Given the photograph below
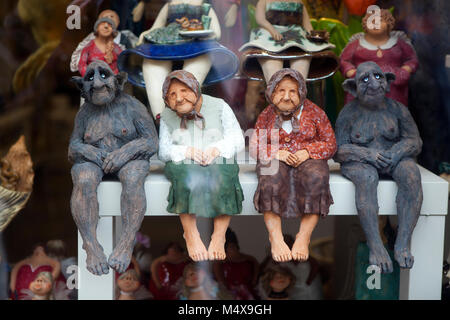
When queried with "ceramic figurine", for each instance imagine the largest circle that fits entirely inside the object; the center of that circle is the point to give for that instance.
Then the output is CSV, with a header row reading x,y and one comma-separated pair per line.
x,y
41,287
391,50
200,137
276,283
238,272
129,287
285,35
197,284
125,39
166,270
16,182
376,137
113,135
292,142
25,271
102,47
184,31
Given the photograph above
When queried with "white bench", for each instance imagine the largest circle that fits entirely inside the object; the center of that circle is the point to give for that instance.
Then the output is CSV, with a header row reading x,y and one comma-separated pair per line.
x,y
423,281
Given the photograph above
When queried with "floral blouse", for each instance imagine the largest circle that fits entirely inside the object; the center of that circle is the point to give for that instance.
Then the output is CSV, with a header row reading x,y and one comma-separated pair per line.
x,y
315,134
91,52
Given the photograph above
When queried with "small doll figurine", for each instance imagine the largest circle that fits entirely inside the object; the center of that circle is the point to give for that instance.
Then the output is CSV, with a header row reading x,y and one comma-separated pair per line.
x,y
391,50
284,34
25,271
292,142
200,137
166,270
197,284
102,47
129,287
125,39
164,44
113,135
239,271
41,287
376,137
276,283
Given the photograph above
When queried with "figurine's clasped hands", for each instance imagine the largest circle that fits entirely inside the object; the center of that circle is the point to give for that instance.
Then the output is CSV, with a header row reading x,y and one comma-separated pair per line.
x,y
115,161
209,155
194,154
286,157
378,159
302,156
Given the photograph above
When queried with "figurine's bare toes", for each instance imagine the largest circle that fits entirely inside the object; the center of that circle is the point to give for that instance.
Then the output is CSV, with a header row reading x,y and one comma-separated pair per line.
x,y
280,250
300,250
196,249
404,257
120,259
216,250
96,263
379,256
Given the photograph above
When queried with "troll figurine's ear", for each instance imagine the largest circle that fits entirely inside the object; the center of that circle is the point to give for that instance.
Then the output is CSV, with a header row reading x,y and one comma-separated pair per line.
x,y
349,85
78,82
122,78
390,77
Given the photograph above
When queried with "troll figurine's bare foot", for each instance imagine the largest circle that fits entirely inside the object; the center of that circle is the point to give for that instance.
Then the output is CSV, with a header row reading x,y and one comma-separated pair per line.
x,y
195,247
280,250
120,258
300,249
216,250
379,256
403,256
96,261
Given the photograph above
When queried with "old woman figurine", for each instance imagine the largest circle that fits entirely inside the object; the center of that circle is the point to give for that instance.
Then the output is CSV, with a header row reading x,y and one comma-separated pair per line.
x,y
199,137
292,142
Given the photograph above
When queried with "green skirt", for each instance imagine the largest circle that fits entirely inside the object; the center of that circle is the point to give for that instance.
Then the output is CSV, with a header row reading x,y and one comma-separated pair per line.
x,y
207,191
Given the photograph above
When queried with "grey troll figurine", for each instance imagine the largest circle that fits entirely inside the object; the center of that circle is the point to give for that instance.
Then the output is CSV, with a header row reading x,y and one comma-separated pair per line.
x,y
113,135
377,136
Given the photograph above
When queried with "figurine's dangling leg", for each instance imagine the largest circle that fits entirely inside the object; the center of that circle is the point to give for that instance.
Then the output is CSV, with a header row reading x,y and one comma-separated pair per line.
x,y
409,203
155,72
199,67
216,250
84,205
280,250
269,67
196,249
300,249
302,66
132,206
365,178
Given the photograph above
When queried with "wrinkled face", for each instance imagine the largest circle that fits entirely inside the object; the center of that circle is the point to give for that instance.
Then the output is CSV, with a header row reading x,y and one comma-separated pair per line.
x,y
194,278
41,285
372,30
371,85
110,14
180,97
128,283
99,85
105,30
279,282
286,96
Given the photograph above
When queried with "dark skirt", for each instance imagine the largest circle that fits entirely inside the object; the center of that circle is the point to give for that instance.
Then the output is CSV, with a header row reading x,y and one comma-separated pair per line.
x,y
224,62
207,191
291,192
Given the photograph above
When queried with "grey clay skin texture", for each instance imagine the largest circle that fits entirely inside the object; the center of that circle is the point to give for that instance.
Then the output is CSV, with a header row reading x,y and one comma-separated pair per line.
x,y
113,135
377,136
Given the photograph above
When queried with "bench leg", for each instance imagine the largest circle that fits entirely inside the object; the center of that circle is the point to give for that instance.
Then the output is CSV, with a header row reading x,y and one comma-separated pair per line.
x,y
424,280
92,287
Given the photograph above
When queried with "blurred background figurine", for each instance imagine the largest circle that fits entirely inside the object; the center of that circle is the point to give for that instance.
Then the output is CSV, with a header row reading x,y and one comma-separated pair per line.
x,y
166,270
391,50
129,287
285,33
125,39
16,182
41,288
276,282
197,284
163,45
25,271
238,272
